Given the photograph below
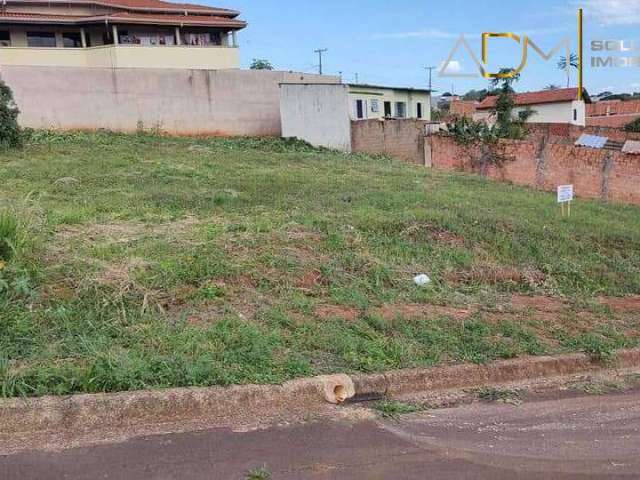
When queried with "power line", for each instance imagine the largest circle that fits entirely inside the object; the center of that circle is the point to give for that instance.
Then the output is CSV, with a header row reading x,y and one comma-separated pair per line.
x,y
320,51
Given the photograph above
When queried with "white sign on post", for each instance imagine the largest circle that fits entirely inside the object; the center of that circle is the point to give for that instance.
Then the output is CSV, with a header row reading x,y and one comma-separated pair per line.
x,y
565,197
565,193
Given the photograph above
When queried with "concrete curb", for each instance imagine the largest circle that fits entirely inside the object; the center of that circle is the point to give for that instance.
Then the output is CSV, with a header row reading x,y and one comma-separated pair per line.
x,y
218,406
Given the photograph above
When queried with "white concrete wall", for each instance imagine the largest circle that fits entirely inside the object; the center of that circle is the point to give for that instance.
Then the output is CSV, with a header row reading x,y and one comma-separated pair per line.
x,y
176,101
318,114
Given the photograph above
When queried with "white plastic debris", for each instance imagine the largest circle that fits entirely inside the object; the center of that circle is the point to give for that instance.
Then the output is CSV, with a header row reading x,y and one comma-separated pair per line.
x,y
422,280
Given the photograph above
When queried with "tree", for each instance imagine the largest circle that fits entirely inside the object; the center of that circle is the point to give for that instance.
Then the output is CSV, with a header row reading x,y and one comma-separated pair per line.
x,y
261,64
482,139
477,95
552,86
10,135
567,64
505,83
633,126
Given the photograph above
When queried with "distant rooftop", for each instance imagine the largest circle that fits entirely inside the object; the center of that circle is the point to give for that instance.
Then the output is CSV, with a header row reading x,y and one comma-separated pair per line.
x,y
535,98
408,89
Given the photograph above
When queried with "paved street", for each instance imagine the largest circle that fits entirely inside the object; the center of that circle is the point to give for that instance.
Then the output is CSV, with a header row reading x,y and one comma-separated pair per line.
x,y
584,437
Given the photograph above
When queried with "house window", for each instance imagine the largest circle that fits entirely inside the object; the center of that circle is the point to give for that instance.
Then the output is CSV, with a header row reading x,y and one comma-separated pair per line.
x,y
575,115
401,109
5,38
419,110
387,109
359,109
41,39
71,40
375,105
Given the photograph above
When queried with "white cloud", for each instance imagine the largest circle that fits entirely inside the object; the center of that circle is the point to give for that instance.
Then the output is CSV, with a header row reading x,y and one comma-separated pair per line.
x,y
454,67
612,12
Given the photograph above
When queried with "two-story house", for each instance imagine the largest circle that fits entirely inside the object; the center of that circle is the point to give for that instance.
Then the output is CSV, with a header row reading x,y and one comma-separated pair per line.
x,y
118,33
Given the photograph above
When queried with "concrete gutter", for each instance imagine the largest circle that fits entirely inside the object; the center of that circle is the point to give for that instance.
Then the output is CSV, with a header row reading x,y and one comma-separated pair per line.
x,y
50,421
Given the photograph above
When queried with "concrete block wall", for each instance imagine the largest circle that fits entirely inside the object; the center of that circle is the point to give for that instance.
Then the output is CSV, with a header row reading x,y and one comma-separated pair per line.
x,y
402,139
175,101
318,114
601,174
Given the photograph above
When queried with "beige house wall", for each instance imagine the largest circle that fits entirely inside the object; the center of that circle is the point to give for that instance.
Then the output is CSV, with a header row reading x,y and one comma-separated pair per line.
x,y
124,56
410,97
176,101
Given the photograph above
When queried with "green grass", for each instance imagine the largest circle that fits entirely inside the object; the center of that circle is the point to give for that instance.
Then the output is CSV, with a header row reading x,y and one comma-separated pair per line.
x,y
150,262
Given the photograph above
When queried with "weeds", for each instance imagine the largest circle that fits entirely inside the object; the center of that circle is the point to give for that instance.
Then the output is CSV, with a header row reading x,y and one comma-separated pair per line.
x,y
152,262
490,394
259,474
10,235
393,409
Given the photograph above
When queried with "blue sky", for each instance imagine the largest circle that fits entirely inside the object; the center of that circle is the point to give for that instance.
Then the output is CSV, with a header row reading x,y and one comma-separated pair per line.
x,y
390,42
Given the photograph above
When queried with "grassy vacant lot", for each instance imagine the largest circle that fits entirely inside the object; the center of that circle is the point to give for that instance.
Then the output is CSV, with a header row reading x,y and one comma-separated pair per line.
x,y
143,262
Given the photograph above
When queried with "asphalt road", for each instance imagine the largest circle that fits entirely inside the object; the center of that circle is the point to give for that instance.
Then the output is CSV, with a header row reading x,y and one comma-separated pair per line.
x,y
584,437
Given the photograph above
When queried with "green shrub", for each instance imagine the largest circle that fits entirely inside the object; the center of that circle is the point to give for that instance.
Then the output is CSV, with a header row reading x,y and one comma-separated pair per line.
x,y
9,235
10,135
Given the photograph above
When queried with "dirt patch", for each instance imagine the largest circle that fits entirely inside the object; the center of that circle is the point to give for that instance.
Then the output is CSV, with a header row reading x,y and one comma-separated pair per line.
x,y
426,231
125,232
120,275
416,311
493,275
327,312
621,304
310,280
538,303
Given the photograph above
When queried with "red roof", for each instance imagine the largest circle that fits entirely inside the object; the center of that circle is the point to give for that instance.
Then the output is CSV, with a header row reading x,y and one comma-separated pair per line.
x,y
138,5
535,98
125,17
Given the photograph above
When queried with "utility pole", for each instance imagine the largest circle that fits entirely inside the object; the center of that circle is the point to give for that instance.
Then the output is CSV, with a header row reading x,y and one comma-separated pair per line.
x,y
431,69
357,78
320,51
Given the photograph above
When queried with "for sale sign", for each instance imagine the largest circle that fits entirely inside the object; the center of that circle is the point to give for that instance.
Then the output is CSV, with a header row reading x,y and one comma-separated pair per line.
x,y
565,193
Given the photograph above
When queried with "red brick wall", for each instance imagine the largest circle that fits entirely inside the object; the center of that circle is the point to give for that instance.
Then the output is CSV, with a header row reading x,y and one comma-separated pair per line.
x,y
463,108
402,139
614,121
614,107
594,173
614,114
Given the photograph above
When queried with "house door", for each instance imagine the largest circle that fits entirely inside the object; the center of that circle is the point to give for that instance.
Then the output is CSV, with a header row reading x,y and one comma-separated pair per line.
x,y
387,109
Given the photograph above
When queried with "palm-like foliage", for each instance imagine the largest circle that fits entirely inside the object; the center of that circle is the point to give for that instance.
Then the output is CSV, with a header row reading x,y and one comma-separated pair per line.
x,y
567,64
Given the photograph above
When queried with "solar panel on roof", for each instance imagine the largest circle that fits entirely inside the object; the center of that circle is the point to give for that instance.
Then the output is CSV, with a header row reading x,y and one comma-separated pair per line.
x,y
591,141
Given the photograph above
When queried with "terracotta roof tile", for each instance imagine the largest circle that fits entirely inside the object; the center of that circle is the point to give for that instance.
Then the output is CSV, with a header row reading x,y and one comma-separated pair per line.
x,y
535,98
141,5
125,17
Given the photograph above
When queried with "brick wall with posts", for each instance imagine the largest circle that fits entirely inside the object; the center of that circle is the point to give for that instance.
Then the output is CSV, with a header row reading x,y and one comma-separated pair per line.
x,y
402,139
601,174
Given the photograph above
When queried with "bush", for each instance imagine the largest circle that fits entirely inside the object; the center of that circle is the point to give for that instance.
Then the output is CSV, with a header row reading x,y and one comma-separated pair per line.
x,y
9,235
633,126
10,135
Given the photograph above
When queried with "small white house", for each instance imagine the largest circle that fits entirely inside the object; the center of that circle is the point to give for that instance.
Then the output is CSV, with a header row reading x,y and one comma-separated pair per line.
x,y
321,114
372,101
550,106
